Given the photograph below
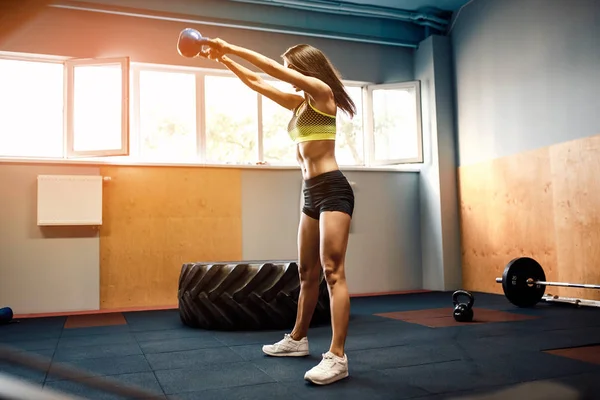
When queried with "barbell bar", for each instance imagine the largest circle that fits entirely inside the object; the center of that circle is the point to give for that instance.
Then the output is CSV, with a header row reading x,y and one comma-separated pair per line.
x,y
524,282
564,284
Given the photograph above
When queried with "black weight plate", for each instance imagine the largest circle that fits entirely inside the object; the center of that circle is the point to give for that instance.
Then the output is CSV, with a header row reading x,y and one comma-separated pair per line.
x,y
514,282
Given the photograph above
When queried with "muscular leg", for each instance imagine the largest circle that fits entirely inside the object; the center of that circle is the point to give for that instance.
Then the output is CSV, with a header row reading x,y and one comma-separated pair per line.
x,y
335,229
295,344
308,263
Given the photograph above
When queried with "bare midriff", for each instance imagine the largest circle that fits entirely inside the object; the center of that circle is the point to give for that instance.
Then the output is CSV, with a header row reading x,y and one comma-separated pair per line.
x,y
316,157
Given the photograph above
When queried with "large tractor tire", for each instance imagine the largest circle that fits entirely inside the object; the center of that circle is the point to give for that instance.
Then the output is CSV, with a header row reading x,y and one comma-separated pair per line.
x,y
250,295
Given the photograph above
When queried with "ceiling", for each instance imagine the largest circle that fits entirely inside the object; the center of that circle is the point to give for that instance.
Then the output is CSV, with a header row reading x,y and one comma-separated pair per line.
x,y
428,14
407,10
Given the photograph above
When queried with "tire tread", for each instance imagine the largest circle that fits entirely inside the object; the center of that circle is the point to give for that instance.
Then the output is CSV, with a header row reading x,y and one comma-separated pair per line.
x,y
250,295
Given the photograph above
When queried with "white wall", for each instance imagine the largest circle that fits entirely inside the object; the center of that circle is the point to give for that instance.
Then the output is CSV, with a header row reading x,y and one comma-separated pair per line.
x,y
270,214
384,249
50,269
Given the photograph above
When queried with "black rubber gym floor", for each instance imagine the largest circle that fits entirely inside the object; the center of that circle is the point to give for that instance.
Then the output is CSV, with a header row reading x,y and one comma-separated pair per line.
x,y
393,354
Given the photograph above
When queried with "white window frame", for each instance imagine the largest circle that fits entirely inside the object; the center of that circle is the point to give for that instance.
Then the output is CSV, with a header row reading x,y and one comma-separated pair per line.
x,y
130,129
69,81
259,129
370,125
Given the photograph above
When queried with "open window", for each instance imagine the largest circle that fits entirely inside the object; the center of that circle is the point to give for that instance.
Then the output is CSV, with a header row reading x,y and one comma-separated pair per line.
x,y
393,119
97,112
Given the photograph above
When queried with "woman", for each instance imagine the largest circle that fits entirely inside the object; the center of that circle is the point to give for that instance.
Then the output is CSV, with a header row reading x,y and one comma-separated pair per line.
x,y
328,198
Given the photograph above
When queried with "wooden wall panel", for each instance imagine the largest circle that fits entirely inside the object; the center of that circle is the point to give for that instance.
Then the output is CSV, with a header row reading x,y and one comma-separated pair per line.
x,y
576,182
156,219
501,204
542,204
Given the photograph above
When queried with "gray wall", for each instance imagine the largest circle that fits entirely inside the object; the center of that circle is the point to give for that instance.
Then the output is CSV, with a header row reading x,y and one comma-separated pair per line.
x,y
527,75
278,18
384,248
49,269
440,225
83,34
270,214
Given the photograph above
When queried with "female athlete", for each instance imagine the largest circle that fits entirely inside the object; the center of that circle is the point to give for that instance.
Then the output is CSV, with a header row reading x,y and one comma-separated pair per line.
x,y
328,197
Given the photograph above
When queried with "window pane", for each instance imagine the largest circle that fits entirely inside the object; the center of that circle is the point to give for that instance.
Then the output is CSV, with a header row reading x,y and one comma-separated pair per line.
x,y
98,101
231,121
278,148
167,121
395,124
349,142
31,109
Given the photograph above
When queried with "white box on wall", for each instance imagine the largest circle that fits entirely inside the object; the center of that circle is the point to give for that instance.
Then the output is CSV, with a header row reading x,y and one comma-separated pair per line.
x,y
69,200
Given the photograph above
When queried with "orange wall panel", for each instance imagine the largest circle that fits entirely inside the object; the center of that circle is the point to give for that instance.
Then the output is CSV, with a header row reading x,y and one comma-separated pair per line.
x,y
156,219
502,204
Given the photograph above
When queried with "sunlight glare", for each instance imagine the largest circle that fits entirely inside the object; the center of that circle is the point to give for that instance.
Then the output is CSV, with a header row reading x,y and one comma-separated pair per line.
x,y
31,109
395,119
167,115
231,120
98,98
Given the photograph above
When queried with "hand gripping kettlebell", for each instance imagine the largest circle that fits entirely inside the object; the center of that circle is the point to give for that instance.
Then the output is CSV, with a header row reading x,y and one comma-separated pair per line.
x,y
463,312
190,43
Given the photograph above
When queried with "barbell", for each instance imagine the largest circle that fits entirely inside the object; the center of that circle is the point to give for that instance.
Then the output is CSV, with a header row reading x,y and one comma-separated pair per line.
x,y
524,282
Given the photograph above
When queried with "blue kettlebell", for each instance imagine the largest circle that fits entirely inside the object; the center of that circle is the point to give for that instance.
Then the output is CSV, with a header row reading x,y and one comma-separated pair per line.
x,y
6,315
190,43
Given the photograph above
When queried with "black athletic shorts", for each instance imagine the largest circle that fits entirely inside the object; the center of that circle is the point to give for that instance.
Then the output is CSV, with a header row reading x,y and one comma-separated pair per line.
x,y
329,191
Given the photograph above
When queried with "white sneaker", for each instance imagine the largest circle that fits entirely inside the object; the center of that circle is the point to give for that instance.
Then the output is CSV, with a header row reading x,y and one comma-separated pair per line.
x,y
287,347
331,369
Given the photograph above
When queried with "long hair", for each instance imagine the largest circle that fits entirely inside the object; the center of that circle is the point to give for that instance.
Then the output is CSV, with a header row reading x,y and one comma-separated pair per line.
x,y
311,61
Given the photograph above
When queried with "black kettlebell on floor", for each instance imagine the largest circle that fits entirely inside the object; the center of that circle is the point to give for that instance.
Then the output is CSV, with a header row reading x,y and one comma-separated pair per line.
x,y
463,312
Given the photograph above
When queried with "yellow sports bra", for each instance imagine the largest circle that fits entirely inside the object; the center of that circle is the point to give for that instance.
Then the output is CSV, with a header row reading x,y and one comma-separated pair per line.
x,y
308,123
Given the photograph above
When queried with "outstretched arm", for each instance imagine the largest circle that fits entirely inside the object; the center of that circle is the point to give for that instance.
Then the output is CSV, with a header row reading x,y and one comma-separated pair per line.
x,y
258,84
313,86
